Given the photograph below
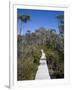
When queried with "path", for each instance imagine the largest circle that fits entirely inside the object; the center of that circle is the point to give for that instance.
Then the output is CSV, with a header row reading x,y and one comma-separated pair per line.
x,y
43,72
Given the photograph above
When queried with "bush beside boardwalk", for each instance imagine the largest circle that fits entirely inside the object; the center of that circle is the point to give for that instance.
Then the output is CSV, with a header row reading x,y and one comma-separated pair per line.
x,y
27,66
29,54
55,64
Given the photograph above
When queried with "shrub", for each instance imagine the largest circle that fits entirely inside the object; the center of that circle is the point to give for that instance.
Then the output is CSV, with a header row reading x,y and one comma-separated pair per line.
x,y
55,64
26,70
36,56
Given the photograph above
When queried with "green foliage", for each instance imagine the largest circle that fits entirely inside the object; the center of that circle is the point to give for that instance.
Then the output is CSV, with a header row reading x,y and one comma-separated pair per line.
x,y
28,63
36,56
24,19
55,63
61,24
26,70
29,53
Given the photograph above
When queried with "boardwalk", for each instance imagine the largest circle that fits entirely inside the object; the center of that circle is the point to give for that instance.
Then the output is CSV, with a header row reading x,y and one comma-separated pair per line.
x,y
42,72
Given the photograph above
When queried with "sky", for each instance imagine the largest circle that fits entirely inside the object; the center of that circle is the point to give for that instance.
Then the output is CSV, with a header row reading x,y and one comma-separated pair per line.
x,y
39,18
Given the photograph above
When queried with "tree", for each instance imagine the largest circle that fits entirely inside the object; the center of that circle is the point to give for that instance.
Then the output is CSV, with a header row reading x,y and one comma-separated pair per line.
x,y
60,39
24,18
28,37
61,24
